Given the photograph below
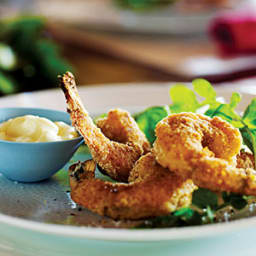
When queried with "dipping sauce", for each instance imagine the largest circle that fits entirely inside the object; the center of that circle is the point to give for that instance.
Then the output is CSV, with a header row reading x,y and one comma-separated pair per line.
x,y
31,128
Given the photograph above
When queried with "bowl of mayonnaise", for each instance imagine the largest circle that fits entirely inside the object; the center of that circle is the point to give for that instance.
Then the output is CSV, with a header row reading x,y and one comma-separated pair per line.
x,y
35,143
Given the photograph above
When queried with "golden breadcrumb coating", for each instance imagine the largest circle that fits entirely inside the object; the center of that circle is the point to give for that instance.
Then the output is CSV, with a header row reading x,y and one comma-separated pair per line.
x,y
182,139
153,191
245,160
203,149
115,158
190,150
119,126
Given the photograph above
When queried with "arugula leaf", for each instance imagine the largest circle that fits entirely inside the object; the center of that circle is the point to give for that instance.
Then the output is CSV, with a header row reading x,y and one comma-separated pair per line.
x,y
205,201
234,100
210,215
249,138
189,216
249,116
226,110
237,201
148,119
183,99
186,213
203,198
160,222
204,89
179,218
246,124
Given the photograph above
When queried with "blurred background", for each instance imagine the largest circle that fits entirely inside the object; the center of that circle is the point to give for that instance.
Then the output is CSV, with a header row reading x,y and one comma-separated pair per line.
x,y
113,41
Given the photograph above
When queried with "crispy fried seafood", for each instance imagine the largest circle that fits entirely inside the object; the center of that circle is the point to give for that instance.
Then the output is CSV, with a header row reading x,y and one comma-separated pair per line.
x,y
152,191
117,154
190,150
204,149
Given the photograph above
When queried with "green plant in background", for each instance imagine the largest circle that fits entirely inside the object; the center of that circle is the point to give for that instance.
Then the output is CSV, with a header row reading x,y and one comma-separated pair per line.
x,y
142,5
29,58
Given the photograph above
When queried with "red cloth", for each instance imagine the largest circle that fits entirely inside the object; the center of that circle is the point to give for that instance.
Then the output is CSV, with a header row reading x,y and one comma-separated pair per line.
x,y
235,33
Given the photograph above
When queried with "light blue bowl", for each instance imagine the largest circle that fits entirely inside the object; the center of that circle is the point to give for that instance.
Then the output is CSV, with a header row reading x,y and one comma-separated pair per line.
x,y
31,162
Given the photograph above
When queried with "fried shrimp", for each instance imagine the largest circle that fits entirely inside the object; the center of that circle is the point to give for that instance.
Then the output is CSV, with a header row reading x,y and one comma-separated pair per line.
x,y
152,191
183,139
119,126
245,160
116,158
204,149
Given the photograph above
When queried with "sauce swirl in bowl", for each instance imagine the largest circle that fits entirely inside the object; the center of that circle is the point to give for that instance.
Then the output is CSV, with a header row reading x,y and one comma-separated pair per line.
x,y
29,161
31,128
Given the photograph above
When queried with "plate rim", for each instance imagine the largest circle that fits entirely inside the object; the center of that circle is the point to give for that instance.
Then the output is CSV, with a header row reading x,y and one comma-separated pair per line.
x,y
131,235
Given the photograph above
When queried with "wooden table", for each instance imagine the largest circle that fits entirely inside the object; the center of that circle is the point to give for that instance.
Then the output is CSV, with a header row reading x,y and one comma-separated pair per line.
x,y
100,57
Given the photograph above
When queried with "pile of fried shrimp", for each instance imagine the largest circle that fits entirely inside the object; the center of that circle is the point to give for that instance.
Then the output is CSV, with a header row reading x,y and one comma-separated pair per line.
x,y
190,151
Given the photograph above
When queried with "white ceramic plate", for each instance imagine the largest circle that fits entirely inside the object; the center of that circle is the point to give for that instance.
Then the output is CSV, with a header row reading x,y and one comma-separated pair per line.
x,y
27,210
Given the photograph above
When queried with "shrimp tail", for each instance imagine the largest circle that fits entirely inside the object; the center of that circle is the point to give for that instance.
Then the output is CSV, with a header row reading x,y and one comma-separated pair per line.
x,y
115,158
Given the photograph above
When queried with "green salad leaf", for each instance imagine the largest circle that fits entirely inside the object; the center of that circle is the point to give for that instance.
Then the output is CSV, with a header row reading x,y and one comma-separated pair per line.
x,y
237,201
249,138
183,99
179,218
148,119
202,98
203,88
205,205
203,198
249,117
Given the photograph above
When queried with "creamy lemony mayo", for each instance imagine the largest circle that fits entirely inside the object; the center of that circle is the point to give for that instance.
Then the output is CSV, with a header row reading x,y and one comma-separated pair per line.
x,y
31,128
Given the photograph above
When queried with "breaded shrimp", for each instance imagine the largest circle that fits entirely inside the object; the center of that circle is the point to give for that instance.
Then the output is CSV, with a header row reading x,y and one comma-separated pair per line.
x,y
218,175
152,191
245,160
115,158
183,139
203,149
119,126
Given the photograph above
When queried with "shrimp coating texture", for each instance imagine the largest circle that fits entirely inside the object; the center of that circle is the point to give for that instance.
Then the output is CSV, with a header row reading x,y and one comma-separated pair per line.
x,y
203,149
245,160
119,126
118,156
153,191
